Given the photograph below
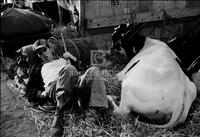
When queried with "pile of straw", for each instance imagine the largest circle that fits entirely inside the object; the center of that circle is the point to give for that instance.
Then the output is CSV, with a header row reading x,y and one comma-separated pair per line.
x,y
77,124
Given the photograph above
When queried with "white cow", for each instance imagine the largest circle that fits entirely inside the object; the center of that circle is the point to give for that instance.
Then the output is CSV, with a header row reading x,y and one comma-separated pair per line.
x,y
196,79
154,85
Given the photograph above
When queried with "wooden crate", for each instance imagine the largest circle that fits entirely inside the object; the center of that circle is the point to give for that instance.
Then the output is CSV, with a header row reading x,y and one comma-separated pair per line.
x,y
98,17
104,13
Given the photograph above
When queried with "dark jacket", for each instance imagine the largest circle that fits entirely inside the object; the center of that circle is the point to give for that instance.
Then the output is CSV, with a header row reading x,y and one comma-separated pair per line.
x,y
35,84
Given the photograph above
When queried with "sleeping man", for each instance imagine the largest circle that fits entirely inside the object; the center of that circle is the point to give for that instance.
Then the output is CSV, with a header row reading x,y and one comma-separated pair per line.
x,y
57,81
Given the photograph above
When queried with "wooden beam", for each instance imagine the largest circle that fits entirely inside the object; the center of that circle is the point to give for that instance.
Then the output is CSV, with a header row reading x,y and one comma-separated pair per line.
x,y
81,18
140,17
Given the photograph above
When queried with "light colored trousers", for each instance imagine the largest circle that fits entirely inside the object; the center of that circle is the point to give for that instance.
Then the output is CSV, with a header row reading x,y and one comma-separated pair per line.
x,y
89,87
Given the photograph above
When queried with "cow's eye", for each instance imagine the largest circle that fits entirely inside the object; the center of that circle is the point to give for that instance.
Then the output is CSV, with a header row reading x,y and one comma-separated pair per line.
x,y
26,59
134,50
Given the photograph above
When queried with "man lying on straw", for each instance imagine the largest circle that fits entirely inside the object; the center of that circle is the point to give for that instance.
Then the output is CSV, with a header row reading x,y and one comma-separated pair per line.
x,y
57,81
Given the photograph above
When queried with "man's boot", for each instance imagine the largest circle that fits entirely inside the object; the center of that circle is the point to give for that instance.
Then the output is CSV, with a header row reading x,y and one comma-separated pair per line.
x,y
103,116
57,125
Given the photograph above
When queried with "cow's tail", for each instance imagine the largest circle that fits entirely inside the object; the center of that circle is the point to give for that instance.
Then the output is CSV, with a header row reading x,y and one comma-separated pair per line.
x,y
111,103
118,111
177,112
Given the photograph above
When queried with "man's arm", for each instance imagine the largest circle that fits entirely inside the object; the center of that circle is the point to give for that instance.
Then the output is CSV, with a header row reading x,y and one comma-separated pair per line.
x,y
68,55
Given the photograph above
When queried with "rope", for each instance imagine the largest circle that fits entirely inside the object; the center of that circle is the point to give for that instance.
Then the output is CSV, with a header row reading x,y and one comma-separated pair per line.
x,y
138,30
162,26
193,63
164,23
75,46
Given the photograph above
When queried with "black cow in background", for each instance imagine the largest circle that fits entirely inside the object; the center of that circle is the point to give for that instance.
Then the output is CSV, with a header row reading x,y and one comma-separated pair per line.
x,y
186,48
126,37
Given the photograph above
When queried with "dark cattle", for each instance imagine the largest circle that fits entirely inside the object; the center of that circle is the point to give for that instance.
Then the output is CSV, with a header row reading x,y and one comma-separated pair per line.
x,y
50,8
20,27
186,48
6,6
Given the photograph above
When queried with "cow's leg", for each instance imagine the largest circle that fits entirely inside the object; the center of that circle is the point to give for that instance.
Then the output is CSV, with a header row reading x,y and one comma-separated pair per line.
x,y
119,111
196,79
111,103
189,96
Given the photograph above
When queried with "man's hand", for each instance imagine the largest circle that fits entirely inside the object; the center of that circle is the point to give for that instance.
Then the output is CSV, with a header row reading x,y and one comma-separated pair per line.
x,y
68,55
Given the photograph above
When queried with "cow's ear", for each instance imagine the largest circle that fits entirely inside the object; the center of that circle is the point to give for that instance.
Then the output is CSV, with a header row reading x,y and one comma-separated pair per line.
x,y
116,28
19,51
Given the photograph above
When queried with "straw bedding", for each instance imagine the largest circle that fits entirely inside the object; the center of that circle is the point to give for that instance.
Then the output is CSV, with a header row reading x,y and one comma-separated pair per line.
x,y
78,124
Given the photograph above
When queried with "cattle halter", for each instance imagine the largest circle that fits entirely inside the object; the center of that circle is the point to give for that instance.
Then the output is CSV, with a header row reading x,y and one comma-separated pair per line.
x,y
132,34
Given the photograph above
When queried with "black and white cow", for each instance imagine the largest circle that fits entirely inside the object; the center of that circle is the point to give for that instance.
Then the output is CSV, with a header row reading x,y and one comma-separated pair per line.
x,y
153,84
125,37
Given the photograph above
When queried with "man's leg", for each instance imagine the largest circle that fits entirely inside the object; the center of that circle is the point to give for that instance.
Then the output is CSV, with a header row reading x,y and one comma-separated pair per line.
x,y
64,86
93,80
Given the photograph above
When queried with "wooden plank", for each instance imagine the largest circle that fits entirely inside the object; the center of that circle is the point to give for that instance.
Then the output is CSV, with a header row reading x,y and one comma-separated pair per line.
x,y
103,8
145,6
92,8
192,3
82,18
140,17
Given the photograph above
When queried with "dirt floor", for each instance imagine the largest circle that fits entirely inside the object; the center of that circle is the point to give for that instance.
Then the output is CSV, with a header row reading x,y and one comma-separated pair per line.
x,y
14,119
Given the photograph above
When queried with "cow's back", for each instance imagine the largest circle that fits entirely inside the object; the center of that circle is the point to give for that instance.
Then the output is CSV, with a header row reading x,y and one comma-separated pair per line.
x,y
154,75
157,85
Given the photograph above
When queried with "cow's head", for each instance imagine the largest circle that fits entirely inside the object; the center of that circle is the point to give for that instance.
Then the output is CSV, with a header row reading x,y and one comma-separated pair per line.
x,y
117,36
127,40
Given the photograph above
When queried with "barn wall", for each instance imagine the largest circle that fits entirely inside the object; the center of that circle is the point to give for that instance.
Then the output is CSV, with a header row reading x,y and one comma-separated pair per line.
x,y
104,13
101,16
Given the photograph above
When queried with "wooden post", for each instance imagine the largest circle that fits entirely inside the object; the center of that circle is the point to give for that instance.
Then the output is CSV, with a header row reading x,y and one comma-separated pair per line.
x,y
60,24
60,15
82,26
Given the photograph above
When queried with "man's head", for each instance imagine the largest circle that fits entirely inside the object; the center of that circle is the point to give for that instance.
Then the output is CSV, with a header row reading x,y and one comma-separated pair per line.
x,y
42,50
